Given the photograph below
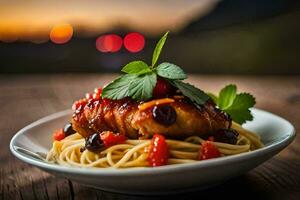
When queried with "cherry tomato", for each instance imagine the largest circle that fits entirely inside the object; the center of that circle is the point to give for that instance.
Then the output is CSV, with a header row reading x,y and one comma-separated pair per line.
x,y
208,151
59,135
162,88
159,151
109,138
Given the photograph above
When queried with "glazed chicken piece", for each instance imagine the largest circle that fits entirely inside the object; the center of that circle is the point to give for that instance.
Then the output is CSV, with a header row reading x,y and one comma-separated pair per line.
x,y
179,118
190,120
105,115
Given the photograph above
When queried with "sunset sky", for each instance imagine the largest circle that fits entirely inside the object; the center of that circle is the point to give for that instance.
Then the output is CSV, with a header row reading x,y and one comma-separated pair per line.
x,y
32,20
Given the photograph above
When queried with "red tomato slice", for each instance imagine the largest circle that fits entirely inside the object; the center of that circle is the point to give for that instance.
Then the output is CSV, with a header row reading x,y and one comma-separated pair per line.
x,y
159,151
109,138
59,135
208,151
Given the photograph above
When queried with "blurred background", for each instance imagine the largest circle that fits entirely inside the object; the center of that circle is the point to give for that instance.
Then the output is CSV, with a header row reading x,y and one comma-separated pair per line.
x,y
206,36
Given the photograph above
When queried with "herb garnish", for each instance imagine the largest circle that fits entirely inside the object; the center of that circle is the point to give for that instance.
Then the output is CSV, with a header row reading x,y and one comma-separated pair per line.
x,y
140,79
236,105
194,94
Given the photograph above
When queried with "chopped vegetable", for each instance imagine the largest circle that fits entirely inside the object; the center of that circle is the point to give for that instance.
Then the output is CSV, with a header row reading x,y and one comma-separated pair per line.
x,y
159,151
208,151
109,138
58,135
155,102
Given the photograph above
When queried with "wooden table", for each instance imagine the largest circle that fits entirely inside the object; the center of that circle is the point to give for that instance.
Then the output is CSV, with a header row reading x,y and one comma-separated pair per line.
x,y
26,98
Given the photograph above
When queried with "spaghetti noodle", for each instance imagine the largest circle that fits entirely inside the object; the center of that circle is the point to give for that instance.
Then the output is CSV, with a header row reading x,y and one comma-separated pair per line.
x,y
134,153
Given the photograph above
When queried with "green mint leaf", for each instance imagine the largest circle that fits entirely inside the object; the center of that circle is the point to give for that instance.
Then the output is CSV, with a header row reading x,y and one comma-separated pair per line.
x,y
158,48
170,71
239,110
227,96
118,88
240,117
236,105
142,87
136,67
194,94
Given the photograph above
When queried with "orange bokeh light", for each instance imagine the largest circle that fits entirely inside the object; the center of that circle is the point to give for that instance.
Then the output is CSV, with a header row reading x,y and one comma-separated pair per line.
x,y
61,33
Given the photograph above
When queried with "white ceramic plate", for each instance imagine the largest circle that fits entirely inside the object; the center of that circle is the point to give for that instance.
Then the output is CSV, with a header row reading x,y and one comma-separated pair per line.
x,y
276,133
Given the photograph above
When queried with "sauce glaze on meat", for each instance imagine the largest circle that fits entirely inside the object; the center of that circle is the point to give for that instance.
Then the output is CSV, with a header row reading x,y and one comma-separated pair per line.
x,y
123,116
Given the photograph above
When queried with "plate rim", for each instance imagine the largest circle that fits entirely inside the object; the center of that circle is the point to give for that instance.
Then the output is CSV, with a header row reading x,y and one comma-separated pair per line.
x,y
281,144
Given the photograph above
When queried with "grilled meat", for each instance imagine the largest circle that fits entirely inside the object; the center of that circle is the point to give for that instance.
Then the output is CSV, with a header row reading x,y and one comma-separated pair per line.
x,y
125,117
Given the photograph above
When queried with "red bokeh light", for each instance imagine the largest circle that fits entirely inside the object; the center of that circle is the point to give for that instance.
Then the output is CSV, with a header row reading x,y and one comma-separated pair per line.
x,y
109,43
134,42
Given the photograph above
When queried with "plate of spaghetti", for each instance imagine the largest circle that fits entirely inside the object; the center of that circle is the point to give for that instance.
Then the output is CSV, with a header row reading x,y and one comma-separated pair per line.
x,y
149,131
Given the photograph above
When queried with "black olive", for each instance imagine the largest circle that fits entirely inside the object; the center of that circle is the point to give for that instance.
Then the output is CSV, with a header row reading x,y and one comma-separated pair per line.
x,y
68,130
229,136
94,143
164,114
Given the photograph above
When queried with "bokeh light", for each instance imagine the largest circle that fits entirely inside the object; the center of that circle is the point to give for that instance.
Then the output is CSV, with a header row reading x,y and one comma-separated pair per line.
x,y
134,42
61,34
109,43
